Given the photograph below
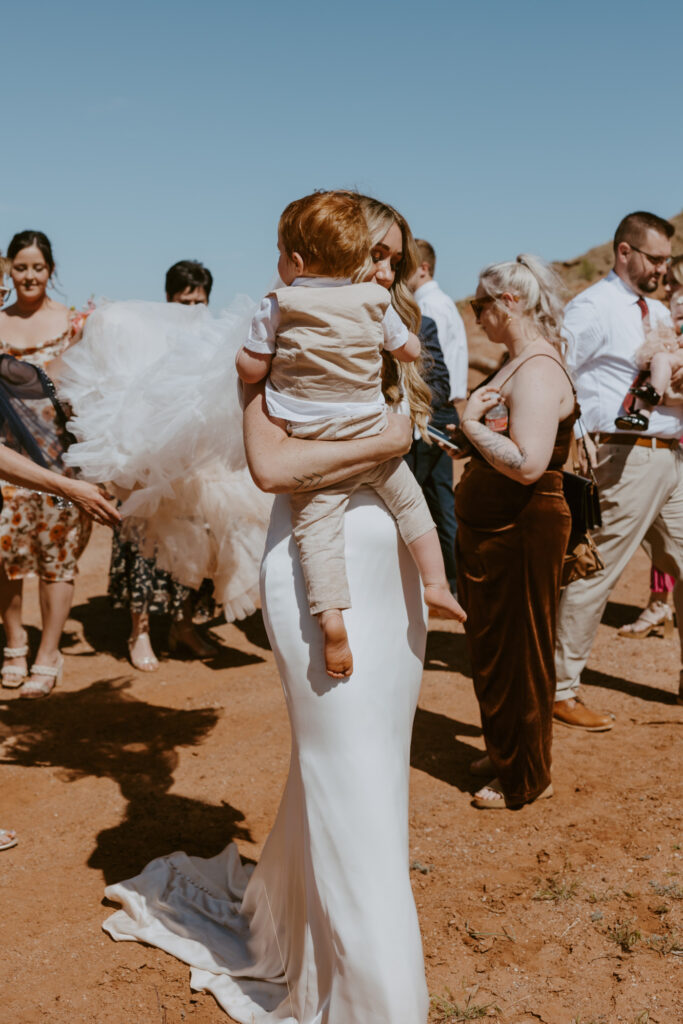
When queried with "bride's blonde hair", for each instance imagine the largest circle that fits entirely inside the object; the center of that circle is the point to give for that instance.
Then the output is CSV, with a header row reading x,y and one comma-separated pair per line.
x,y
399,379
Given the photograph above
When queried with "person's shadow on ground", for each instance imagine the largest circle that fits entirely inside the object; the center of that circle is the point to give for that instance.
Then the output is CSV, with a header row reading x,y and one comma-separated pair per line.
x,y
437,749
447,651
105,732
615,616
254,630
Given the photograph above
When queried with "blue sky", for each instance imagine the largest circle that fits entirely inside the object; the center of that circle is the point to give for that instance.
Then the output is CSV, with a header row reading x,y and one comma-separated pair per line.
x,y
137,134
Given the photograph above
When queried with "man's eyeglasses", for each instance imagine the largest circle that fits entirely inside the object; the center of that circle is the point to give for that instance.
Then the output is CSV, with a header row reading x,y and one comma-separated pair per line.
x,y
656,261
478,304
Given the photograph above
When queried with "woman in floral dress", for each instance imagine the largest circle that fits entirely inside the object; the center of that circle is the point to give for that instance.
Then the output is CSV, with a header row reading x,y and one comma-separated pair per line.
x,y
39,536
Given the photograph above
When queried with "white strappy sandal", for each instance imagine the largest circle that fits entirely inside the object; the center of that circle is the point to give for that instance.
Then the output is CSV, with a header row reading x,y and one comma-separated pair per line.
x,y
49,677
143,662
8,838
12,676
657,614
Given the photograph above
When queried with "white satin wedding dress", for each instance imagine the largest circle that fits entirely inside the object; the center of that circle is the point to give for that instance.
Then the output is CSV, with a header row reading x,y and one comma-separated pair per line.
x,y
324,931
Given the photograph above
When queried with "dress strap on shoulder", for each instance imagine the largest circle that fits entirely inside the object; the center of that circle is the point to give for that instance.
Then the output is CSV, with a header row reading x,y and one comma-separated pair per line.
x,y
542,355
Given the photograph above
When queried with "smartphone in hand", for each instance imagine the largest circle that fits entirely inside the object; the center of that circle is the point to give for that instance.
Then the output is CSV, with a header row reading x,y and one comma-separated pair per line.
x,y
442,437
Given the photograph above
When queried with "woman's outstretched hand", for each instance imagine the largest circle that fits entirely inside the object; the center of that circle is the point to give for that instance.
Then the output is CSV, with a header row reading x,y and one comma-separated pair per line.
x,y
92,500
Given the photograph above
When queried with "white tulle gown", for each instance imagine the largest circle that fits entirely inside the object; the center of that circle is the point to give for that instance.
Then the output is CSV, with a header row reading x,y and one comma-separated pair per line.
x,y
156,411
325,930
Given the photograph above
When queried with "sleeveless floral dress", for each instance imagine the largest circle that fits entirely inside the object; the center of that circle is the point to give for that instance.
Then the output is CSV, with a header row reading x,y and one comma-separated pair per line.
x,y
37,536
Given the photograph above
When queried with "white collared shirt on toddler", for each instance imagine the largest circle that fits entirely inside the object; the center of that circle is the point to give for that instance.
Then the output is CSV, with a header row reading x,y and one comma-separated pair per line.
x,y
261,338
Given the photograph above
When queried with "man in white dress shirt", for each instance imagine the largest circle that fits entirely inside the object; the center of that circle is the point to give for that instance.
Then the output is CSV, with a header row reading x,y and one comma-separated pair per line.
x,y
441,308
639,474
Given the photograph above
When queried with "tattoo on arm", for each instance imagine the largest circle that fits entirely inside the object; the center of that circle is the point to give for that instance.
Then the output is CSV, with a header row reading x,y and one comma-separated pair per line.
x,y
310,482
497,449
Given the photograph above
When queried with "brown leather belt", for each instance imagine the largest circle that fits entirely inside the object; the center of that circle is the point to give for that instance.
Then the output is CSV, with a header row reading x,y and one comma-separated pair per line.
x,y
644,442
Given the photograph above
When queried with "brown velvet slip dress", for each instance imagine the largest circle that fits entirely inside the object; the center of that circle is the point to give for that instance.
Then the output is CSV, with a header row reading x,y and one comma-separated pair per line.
x,y
510,548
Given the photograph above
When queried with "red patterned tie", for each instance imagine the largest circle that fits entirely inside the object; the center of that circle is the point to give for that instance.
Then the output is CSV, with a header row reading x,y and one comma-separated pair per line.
x,y
630,401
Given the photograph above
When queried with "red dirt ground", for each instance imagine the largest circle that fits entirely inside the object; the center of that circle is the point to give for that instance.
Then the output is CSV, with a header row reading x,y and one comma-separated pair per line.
x,y
569,912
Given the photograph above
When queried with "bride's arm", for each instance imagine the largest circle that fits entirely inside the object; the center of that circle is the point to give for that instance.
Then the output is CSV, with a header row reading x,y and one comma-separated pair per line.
x,y
279,463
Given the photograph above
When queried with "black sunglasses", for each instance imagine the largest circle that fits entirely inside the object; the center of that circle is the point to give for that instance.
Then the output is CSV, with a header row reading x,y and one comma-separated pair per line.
x,y
478,304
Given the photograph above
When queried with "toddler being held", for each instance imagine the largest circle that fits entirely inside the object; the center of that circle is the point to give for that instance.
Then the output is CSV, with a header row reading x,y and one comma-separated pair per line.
x,y
319,340
660,356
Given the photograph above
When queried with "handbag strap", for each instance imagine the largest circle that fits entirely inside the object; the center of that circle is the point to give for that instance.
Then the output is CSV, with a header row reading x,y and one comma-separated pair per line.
x,y
591,473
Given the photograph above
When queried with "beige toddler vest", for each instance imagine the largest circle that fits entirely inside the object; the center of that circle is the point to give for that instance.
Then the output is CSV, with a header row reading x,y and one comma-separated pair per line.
x,y
329,342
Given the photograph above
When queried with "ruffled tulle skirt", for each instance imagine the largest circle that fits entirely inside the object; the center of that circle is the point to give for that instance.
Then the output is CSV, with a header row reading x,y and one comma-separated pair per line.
x,y
156,412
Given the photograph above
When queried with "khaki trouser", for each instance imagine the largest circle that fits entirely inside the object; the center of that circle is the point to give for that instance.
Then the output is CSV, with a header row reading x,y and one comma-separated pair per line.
x,y
318,516
318,527
641,498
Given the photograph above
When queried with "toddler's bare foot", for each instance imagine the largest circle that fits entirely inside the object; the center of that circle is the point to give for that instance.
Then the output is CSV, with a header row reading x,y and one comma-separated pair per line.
x,y
338,657
438,596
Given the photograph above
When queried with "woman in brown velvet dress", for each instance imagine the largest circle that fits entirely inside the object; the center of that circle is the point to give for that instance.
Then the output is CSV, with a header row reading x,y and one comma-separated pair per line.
x,y
513,528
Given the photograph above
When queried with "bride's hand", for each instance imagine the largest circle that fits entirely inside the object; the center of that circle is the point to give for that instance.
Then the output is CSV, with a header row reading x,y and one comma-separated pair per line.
x,y
92,500
398,435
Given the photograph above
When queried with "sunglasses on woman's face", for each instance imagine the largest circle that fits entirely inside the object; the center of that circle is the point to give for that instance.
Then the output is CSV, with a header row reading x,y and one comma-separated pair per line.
x,y
478,304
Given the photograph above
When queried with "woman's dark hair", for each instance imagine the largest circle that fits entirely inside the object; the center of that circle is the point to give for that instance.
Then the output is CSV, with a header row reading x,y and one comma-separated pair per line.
x,y
24,239
188,274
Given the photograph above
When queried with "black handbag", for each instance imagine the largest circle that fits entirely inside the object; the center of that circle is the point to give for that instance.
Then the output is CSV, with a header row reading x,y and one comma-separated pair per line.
x,y
581,494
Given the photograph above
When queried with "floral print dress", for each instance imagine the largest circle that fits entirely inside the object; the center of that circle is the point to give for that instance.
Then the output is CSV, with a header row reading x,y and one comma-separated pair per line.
x,y
39,537
137,583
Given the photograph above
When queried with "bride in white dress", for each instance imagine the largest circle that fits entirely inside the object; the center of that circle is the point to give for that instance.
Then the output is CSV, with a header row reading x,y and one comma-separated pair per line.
x,y
324,931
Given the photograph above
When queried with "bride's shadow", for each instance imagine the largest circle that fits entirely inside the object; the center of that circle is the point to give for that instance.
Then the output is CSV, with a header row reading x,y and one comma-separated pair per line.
x,y
104,732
